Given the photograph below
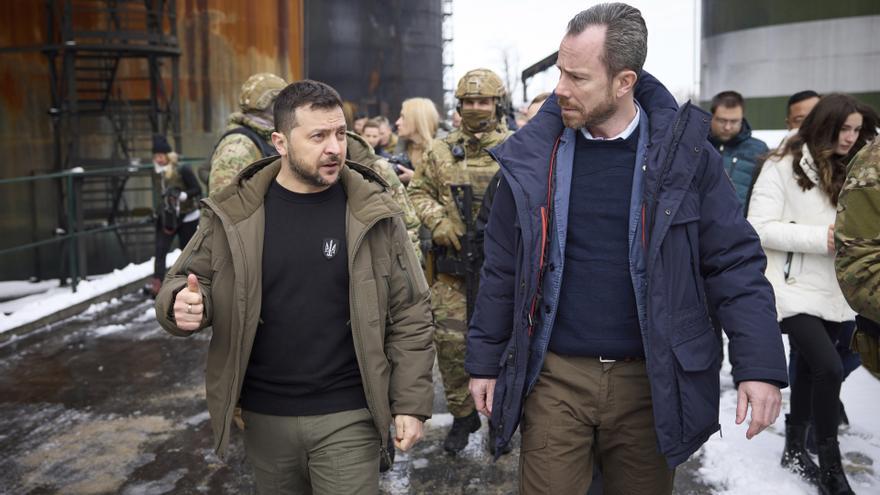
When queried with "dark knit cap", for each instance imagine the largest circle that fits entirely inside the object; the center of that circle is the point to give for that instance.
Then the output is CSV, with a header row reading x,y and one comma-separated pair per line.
x,y
160,144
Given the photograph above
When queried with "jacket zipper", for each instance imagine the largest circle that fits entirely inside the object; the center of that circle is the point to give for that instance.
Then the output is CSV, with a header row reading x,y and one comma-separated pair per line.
x,y
409,284
667,164
354,327
195,249
241,333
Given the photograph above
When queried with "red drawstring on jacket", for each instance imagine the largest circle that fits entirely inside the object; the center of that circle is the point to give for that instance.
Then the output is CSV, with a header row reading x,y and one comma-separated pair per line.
x,y
545,236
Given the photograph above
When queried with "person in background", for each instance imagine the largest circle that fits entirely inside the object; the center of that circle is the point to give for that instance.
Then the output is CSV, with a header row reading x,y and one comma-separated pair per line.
x,y
416,128
370,133
731,135
793,210
247,135
462,157
361,152
359,120
535,105
799,106
387,138
857,239
178,214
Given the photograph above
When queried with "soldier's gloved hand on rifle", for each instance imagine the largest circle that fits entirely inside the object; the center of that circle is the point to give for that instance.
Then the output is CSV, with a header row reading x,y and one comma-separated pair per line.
x,y
447,232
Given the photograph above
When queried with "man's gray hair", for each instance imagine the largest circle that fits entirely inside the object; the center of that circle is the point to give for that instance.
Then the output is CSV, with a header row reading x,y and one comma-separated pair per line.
x,y
626,35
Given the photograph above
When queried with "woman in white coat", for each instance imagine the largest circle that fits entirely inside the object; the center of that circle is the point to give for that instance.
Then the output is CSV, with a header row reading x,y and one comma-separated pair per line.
x,y
793,207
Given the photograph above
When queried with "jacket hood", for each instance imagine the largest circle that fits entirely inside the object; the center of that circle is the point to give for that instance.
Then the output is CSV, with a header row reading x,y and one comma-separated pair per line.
x,y
744,134
365,191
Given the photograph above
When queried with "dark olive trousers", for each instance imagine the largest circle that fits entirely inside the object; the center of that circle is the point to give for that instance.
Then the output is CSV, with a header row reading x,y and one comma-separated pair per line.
x,y
327,454
583,411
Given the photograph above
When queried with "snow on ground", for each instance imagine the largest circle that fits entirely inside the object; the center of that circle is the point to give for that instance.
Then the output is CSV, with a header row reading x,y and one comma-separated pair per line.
x,y
15,289
737,466
35,306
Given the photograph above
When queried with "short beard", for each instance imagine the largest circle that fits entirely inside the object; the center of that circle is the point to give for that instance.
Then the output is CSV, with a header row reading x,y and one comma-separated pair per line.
x,y
597,116
310,177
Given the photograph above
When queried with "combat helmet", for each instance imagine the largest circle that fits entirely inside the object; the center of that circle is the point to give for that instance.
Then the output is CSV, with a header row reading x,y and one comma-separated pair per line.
x,y
480,83
259,92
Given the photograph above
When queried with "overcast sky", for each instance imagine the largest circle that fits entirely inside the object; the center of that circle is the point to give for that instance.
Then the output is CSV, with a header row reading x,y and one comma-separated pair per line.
x,y
529,30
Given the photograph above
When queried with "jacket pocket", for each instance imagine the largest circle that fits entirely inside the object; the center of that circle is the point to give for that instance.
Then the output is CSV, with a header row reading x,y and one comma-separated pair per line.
x,y
697,353
681,255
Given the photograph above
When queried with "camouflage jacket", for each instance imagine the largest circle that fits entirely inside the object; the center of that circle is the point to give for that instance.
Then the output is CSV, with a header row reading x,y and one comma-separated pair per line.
x,y
458,158
857,233
236,151
361,152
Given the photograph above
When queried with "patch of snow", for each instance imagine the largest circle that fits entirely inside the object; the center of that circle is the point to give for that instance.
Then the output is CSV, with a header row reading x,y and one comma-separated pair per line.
x,y
15,289
41,305
148,315
107,330
420,463
737,466
197,419
99,307
439,421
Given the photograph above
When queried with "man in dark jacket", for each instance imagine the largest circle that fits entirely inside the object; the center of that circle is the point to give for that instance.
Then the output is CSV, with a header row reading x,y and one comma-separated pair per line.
x,y
607,243
731,135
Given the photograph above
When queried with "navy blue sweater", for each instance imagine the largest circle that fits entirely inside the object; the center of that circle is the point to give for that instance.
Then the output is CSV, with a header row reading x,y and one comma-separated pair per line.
x,y
597,313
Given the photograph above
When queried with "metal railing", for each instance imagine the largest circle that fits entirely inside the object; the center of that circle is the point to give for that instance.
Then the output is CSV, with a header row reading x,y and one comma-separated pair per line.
x,y
72,226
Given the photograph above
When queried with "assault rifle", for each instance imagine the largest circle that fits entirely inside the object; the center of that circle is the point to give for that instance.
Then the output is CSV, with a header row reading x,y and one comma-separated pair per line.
x,y
470,257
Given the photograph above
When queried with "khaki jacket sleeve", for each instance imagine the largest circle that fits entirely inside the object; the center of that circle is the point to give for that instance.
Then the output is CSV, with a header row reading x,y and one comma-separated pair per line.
x,y
233,154
857,234
425,188
195,258
409,338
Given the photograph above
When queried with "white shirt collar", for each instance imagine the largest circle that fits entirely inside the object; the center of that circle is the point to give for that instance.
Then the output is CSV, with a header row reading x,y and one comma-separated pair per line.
x,y
634,123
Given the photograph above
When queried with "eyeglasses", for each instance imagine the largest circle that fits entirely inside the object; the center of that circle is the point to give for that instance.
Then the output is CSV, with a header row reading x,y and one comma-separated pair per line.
x,y
727,122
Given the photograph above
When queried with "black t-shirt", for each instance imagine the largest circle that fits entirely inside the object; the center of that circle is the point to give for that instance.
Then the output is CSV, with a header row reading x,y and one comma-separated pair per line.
x,y
303,362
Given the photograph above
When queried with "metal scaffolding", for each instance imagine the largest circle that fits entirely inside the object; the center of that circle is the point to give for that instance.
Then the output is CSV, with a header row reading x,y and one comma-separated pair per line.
x,y
114,79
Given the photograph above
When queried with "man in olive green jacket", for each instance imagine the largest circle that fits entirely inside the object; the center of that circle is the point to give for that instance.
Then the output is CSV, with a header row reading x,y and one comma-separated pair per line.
x,y
220,281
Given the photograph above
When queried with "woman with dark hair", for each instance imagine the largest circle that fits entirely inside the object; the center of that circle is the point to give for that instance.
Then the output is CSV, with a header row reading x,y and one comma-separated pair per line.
x,y
793,207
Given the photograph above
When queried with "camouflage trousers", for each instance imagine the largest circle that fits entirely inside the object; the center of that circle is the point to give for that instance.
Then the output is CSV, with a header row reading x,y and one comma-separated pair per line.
x,y
449,304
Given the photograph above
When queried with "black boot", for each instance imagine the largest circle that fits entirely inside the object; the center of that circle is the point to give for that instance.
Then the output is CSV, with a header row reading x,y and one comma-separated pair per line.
x,y
457,438
832,479
795,457
492,437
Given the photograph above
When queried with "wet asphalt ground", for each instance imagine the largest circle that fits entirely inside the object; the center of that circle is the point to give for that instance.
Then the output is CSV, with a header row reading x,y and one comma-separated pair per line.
x,y
107,403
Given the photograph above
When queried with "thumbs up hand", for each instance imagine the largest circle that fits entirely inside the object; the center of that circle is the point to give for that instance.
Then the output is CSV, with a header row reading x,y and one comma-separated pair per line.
x,y
188,307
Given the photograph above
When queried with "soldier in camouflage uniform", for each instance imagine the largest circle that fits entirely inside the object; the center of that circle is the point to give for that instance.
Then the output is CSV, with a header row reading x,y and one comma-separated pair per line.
x,y
459,158
857,236
361,152
236,151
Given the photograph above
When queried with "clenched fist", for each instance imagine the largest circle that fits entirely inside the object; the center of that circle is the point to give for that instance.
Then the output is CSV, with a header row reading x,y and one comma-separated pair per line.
x,y
188,307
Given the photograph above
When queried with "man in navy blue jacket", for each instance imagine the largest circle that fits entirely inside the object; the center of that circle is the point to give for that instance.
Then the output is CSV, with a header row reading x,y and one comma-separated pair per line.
x,y
608,241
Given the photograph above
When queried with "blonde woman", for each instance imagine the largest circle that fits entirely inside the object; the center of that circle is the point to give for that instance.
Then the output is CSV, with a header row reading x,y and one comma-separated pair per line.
x,y
178,213
416,128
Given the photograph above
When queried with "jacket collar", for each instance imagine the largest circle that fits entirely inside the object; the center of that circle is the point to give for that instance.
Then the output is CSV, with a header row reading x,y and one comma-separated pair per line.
x,y
744,134
363,188
524,157
808,165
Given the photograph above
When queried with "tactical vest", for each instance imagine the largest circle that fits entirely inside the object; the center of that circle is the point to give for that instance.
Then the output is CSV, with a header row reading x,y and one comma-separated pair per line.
x,y
471,161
